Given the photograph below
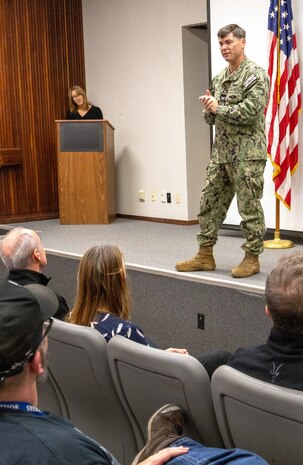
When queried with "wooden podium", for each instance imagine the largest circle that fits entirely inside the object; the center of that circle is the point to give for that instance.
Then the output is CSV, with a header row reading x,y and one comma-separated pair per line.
x,y
86,171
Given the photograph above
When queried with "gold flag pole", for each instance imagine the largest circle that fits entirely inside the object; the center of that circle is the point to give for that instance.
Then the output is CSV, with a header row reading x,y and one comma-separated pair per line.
x,y
277,242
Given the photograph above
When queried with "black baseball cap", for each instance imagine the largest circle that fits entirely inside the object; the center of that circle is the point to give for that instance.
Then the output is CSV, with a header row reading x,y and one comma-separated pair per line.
x,y
23,310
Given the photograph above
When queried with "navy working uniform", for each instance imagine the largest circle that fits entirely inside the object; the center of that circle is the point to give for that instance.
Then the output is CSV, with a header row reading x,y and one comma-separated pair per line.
x,y
238,155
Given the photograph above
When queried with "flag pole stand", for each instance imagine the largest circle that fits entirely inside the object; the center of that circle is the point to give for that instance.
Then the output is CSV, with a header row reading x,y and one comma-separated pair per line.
x,y
278,243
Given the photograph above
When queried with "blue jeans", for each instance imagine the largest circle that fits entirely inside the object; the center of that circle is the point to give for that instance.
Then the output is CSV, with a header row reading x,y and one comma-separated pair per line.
x,y
202,455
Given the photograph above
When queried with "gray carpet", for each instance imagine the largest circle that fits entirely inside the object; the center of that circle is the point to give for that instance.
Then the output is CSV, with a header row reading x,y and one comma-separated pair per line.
x,y
166,303
157,247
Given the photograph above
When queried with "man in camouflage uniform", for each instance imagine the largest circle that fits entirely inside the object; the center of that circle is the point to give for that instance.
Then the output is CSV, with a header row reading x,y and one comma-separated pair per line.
x,y
235,103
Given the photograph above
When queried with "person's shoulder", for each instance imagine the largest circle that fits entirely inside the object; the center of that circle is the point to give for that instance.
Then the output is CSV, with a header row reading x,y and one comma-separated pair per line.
x,y
49,439
135,333
134,327
94,112
95,109
252,67
254,74
109,321
70,115
126,327
248,351
131,324
220,75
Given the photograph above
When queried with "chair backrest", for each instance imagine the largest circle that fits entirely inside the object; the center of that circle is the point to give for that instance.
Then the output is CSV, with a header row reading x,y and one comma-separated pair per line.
x,y
80,387
258,416
50,397
147,378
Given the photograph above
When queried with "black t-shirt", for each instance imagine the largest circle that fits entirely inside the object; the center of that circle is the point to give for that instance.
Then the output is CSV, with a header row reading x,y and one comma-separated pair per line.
x,y
29,439
93,113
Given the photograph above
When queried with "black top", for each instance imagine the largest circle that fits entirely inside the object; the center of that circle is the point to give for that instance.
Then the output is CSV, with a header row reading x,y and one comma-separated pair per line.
x,y
28,439
93,113
279,361
24,277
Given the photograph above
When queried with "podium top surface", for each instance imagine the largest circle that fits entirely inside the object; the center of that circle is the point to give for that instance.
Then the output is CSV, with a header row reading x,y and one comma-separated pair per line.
x,y
84,121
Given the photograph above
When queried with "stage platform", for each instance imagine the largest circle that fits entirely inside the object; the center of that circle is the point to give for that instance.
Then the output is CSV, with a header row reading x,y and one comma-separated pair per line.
x,y
166,303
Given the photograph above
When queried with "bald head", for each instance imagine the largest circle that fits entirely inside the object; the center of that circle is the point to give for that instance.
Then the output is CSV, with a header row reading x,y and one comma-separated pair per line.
x,y
21,249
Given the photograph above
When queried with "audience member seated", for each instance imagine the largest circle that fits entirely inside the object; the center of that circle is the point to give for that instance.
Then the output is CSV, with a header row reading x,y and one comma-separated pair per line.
x,y
79,107
103,300
24,256
30,436
280,360
33,437
166,429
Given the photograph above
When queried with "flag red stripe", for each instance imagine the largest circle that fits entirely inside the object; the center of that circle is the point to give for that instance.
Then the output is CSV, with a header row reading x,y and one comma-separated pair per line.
x,y
285,98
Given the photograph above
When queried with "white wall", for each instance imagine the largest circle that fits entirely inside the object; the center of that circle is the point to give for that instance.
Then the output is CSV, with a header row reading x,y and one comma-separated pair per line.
x,y
134,72
253,18
197,134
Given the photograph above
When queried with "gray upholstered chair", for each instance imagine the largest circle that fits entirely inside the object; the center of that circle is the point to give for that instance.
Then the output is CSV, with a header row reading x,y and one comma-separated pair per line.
x,y
259,416
80,387
147,378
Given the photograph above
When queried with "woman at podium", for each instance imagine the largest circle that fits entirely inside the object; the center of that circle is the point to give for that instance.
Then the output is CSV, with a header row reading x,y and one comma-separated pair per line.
x,y
79,107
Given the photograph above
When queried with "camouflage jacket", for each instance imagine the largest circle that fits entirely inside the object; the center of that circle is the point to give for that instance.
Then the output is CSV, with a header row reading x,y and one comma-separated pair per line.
x,y
239,119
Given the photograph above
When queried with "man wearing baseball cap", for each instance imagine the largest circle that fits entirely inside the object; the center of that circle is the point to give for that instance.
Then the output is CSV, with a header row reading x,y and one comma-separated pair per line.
x,y
29,436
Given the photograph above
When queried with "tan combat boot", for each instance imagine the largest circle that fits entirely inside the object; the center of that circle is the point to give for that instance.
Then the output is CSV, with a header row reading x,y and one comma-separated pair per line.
x,y
249,266
203,261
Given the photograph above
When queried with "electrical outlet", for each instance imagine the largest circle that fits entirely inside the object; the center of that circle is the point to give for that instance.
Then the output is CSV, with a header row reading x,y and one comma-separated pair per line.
x,y
177,197
163,197
201,320
141,195
168,197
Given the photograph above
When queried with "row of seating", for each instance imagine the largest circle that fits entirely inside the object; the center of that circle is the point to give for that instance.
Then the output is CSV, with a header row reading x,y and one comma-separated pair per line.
x,y
110,390
258,416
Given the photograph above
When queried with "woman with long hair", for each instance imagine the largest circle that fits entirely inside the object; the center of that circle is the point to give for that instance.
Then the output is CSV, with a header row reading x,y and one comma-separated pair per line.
x,y
102,299
79,107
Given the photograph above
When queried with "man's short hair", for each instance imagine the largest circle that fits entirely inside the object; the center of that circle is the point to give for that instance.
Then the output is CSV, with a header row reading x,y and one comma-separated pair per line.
x,y
236,30
284,294
21,256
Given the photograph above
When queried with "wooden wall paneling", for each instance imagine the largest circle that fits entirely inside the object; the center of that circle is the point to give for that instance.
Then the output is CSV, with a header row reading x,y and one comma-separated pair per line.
x,y
75,27
10,176
41,55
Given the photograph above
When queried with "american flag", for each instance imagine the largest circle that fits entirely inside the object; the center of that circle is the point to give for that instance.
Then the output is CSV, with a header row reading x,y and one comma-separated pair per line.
x,y
285,97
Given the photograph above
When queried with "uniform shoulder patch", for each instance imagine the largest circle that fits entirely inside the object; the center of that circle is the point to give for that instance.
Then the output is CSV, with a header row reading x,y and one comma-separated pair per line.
x,y
250,81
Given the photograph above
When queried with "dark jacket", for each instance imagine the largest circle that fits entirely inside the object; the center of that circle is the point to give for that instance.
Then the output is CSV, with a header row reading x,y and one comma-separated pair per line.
x,y
31,439
24,277
279,361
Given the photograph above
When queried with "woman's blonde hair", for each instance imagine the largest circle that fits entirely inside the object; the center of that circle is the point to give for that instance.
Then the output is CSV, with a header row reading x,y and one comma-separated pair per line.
x,y
72,106
101,285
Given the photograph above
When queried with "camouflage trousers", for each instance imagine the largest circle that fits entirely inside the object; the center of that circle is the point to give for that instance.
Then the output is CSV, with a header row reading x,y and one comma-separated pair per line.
x,y
223,181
